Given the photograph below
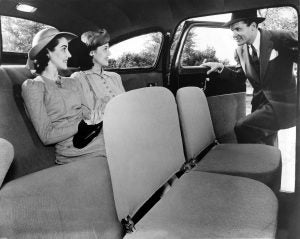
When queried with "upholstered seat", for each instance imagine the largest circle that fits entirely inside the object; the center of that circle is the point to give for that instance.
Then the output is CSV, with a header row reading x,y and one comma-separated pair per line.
x,y
68,201
218,206
6,158
260,162
144,149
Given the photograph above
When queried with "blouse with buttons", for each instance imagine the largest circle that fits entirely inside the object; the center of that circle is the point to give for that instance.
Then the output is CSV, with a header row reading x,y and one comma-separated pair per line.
x,y
105,84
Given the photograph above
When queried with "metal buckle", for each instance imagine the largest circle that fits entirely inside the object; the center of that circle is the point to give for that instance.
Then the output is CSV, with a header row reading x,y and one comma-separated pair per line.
x,y
187,166
128,224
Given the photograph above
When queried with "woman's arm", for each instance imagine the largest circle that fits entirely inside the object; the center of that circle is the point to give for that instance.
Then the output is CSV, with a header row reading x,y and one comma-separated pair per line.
x,y
79,79
33,93
120,84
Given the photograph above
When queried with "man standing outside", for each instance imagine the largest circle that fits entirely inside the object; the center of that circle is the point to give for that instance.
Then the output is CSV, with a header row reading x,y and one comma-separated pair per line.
x,y
266,59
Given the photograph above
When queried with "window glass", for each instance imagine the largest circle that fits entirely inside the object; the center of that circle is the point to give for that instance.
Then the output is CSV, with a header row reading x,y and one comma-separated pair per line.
x,y
17,33
203,44
214,18
284,18
137,52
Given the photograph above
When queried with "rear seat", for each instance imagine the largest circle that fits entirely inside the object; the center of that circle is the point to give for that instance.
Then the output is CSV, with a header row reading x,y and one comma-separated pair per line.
x,y
30,154
38,200
144,149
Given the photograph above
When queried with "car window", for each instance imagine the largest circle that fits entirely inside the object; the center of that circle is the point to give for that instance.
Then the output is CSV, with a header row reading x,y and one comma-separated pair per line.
x,y
203,44
137,52
17,33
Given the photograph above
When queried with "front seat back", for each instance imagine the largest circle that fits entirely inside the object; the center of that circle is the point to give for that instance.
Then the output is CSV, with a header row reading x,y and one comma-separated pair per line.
x,y
196,123
131,153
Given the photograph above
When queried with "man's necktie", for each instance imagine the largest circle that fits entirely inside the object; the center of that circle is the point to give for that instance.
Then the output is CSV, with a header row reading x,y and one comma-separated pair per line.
x,y
254,59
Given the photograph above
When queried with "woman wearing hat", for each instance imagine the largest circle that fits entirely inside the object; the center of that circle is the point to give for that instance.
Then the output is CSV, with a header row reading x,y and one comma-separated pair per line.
x,y
55,104
99,86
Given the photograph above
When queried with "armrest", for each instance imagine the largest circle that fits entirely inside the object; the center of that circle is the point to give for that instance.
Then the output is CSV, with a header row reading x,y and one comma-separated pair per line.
x,y
6,158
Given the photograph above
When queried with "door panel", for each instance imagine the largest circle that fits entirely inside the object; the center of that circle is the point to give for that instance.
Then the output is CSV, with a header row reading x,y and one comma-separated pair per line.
x,y
133,81
223,121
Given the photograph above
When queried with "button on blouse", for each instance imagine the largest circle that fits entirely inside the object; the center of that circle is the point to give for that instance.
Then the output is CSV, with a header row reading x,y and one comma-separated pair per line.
x,y
105,84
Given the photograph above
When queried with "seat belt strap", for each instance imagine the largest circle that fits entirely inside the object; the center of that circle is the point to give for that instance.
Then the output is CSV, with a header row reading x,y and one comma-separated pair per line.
x,y
189,165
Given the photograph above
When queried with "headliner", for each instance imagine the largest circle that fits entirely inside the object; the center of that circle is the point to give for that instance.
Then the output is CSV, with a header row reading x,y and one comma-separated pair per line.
x,y
123,16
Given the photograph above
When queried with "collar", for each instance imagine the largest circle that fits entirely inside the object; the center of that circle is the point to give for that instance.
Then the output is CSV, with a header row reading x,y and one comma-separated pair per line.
x,y
91,72
256,43
58,82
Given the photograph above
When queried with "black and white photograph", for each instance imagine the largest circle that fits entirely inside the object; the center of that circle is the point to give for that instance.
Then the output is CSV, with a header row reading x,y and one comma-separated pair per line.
x,y
149,119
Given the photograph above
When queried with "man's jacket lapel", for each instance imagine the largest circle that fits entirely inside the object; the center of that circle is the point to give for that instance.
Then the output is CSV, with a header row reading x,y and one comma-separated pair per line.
x,y
266,46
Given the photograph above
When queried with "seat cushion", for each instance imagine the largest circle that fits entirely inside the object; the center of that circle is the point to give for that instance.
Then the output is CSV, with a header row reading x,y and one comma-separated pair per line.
x,y
259,162
6,157
207,205
68,201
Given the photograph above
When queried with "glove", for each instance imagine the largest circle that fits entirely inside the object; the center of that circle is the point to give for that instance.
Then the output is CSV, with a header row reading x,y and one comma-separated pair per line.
x,y
86,133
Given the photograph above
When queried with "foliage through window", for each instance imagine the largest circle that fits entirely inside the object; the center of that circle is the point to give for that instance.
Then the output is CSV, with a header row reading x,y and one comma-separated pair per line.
x,y
137,52
203,44
216,44
17,33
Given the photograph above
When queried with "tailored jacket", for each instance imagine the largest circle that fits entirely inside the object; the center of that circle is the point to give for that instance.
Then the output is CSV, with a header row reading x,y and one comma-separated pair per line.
x,y
275,81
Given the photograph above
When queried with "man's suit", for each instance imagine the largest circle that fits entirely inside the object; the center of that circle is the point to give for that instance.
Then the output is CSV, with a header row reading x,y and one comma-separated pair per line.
x,y
274,95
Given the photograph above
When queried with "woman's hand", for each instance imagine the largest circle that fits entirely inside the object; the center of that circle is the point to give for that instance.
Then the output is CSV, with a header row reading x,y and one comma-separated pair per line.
x,y
95,117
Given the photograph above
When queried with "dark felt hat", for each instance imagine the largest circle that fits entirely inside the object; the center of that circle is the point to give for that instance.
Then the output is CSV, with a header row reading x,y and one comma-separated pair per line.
x,y
244,15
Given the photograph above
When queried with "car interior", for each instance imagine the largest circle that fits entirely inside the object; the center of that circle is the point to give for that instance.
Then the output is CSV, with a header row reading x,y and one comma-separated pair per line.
x,y
173,167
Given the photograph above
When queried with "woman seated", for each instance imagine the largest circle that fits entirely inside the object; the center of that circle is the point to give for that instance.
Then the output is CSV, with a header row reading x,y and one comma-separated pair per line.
x,y
56,104
99,86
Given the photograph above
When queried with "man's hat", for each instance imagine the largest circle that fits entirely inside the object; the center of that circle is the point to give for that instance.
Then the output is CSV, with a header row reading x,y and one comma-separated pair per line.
x,y
43,37
244,15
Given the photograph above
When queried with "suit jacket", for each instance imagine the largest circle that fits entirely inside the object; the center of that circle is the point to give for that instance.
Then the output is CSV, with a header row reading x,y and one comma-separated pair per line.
x,y
275,81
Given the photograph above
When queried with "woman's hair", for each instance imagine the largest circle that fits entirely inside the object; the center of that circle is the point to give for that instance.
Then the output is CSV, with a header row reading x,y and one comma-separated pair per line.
x,y
92,40
41,60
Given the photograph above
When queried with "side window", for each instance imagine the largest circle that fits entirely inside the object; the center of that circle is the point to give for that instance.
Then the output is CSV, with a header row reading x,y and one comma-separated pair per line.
x,y
137,52
203,44
17,33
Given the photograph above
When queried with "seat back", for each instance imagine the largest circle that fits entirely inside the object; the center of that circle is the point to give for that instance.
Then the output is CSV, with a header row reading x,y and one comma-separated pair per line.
x,y
195,120
30,154
6,157
143,145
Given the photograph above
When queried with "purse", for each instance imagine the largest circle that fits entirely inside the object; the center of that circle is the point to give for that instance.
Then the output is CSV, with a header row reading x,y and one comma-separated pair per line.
x,y
86,133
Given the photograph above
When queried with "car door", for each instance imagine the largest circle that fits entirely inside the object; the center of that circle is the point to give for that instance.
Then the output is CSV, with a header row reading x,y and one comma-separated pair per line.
x,y
200,42
139,59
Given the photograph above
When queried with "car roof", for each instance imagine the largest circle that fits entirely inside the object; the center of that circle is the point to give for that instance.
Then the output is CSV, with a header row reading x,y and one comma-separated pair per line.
x,y
121,17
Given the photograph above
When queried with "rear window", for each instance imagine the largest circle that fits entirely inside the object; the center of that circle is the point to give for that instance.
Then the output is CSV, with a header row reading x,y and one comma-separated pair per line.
x,y
17,33
137,52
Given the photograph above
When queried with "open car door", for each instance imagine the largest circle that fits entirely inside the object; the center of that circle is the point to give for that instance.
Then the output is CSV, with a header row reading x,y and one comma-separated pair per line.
x,y
200,42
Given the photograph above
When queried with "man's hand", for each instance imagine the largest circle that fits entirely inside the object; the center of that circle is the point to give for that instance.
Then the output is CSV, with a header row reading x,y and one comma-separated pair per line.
x,y
214,67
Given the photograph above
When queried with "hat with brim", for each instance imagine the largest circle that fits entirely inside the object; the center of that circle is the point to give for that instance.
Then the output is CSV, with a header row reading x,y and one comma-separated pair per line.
x,y
243,16
43,37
